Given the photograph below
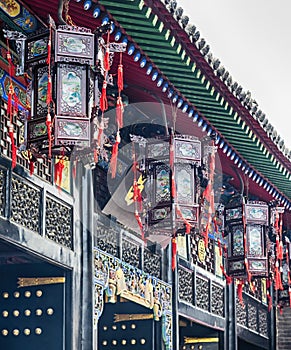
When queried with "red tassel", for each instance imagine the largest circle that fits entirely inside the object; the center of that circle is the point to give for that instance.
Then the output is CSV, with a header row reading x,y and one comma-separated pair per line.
x,y
31,167
49,133
13,147
74,170
59,167
280,252
16,103
96,153
174,253
227,278
138,219
219,247
120,78
281,310
173,186
103,97
119,112
106,60
188,227
113,161
49,90
9,102
240,292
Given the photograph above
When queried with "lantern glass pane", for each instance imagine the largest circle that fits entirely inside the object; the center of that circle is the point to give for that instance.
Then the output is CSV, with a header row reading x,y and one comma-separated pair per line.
x,y
237,243
36,49
41,74
255,240
158,150
233,214
71,90
75,46
72,131
188,150
257,213
185,183
162,184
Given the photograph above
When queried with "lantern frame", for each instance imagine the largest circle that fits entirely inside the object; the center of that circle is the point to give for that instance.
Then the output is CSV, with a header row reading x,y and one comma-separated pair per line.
x,y
247,252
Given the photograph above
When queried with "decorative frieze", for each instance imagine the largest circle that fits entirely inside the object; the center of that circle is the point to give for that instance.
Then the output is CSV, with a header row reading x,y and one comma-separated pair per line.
x,y
130,252
217,299
185,285
241,313
25,204
152,263
106,238
263,322
202,293
252,317
58,223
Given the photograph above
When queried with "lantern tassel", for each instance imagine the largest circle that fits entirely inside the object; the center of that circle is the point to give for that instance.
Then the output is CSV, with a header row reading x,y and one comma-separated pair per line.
x,y
59,167
13,147
280,251
120,78
49,90
119,112
31,167
174,253
173,187
103,98
138,219
113,161
106,60
9,102
240,292
49,133
227,278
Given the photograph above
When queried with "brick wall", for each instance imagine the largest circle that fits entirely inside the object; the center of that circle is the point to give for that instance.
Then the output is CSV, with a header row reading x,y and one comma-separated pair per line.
x,y
284,329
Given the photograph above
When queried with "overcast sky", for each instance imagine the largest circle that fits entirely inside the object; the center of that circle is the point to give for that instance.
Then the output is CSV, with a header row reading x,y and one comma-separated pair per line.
x,y
252,39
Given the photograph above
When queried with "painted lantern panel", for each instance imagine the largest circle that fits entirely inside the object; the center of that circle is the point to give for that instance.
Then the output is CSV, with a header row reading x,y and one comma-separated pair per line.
x,y
184,183
72,131
71,94
162,182
188,150
237,240
255,240
74,46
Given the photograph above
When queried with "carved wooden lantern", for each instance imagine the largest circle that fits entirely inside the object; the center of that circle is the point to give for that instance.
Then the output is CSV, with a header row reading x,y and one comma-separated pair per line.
x,y
172,185
67,78
246,225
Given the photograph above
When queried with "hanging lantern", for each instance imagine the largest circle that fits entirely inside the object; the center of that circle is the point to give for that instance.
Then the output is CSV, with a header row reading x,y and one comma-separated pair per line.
x,y
246,225
172,164
73,50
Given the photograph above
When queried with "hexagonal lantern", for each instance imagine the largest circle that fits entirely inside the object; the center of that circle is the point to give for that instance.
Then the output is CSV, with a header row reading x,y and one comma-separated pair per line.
x,y
67,78
246,225
171,165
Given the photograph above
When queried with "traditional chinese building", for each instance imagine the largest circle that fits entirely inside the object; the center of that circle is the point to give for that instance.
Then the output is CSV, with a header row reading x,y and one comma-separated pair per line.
x,y
145,197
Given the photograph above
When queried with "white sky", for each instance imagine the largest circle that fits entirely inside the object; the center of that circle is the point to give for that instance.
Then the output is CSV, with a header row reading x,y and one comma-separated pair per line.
x,y
252,39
